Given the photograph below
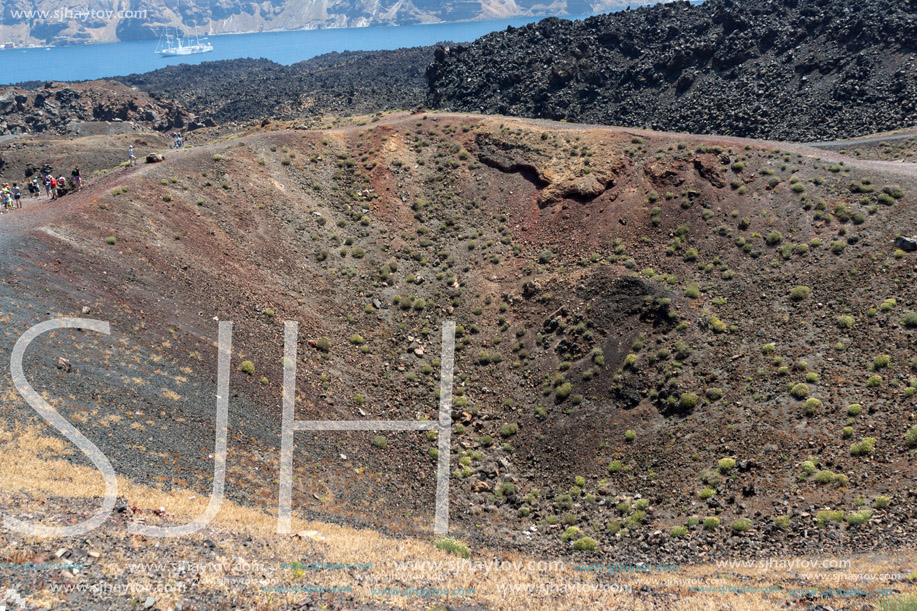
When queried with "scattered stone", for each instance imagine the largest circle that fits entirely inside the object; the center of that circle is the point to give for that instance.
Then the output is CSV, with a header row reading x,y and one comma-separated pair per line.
x,y
312,535
907,244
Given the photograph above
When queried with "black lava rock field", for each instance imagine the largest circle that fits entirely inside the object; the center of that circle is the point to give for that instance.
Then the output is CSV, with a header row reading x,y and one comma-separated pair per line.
x,y
352,82
799,70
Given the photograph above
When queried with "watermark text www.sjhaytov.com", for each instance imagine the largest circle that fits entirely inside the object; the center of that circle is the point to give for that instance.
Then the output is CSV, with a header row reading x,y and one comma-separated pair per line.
x,y
79,14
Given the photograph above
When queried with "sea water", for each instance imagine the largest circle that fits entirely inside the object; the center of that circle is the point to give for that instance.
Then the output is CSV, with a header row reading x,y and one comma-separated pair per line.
x,y
77,63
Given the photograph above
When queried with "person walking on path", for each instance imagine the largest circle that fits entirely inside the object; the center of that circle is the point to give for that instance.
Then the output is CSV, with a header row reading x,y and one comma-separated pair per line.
x,y
76,178
131,160
7,198
17,196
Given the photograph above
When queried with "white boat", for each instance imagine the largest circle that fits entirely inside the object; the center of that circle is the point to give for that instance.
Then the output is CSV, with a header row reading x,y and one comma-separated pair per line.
x,y
183,49
173,46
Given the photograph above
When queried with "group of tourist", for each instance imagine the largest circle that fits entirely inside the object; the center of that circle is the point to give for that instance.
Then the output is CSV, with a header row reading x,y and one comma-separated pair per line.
x,y
53,187
12,197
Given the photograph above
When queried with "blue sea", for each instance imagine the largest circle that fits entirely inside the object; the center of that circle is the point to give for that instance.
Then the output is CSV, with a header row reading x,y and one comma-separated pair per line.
x,y
117,59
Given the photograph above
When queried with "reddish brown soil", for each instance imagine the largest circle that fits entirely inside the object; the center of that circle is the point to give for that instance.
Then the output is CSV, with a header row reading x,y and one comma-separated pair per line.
x,y
550,234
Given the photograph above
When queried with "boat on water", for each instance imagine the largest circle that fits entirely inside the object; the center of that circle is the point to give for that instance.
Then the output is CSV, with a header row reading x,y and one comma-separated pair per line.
x,y
174,46
182,49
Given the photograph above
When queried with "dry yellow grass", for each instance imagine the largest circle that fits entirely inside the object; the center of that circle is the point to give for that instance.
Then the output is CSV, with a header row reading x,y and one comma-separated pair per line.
x,y
33,463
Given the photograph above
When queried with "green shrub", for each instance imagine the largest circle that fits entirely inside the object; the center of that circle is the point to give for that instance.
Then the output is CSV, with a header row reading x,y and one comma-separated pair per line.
x,y
808,467
688,400
910,320
706,493
571,533
910,437
799,293
845,322
714,394
800,391
881,361
586,544
782,522
864,447
356,339
855,518
886,199
545,256
679,531
453,547
874,381
635,519
725,465
711,477
741,525
828,515
854,409
711,523
616,465
812,405
630,435
881,502
563,391
509,429
380,442
717,325
825,476
247,367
